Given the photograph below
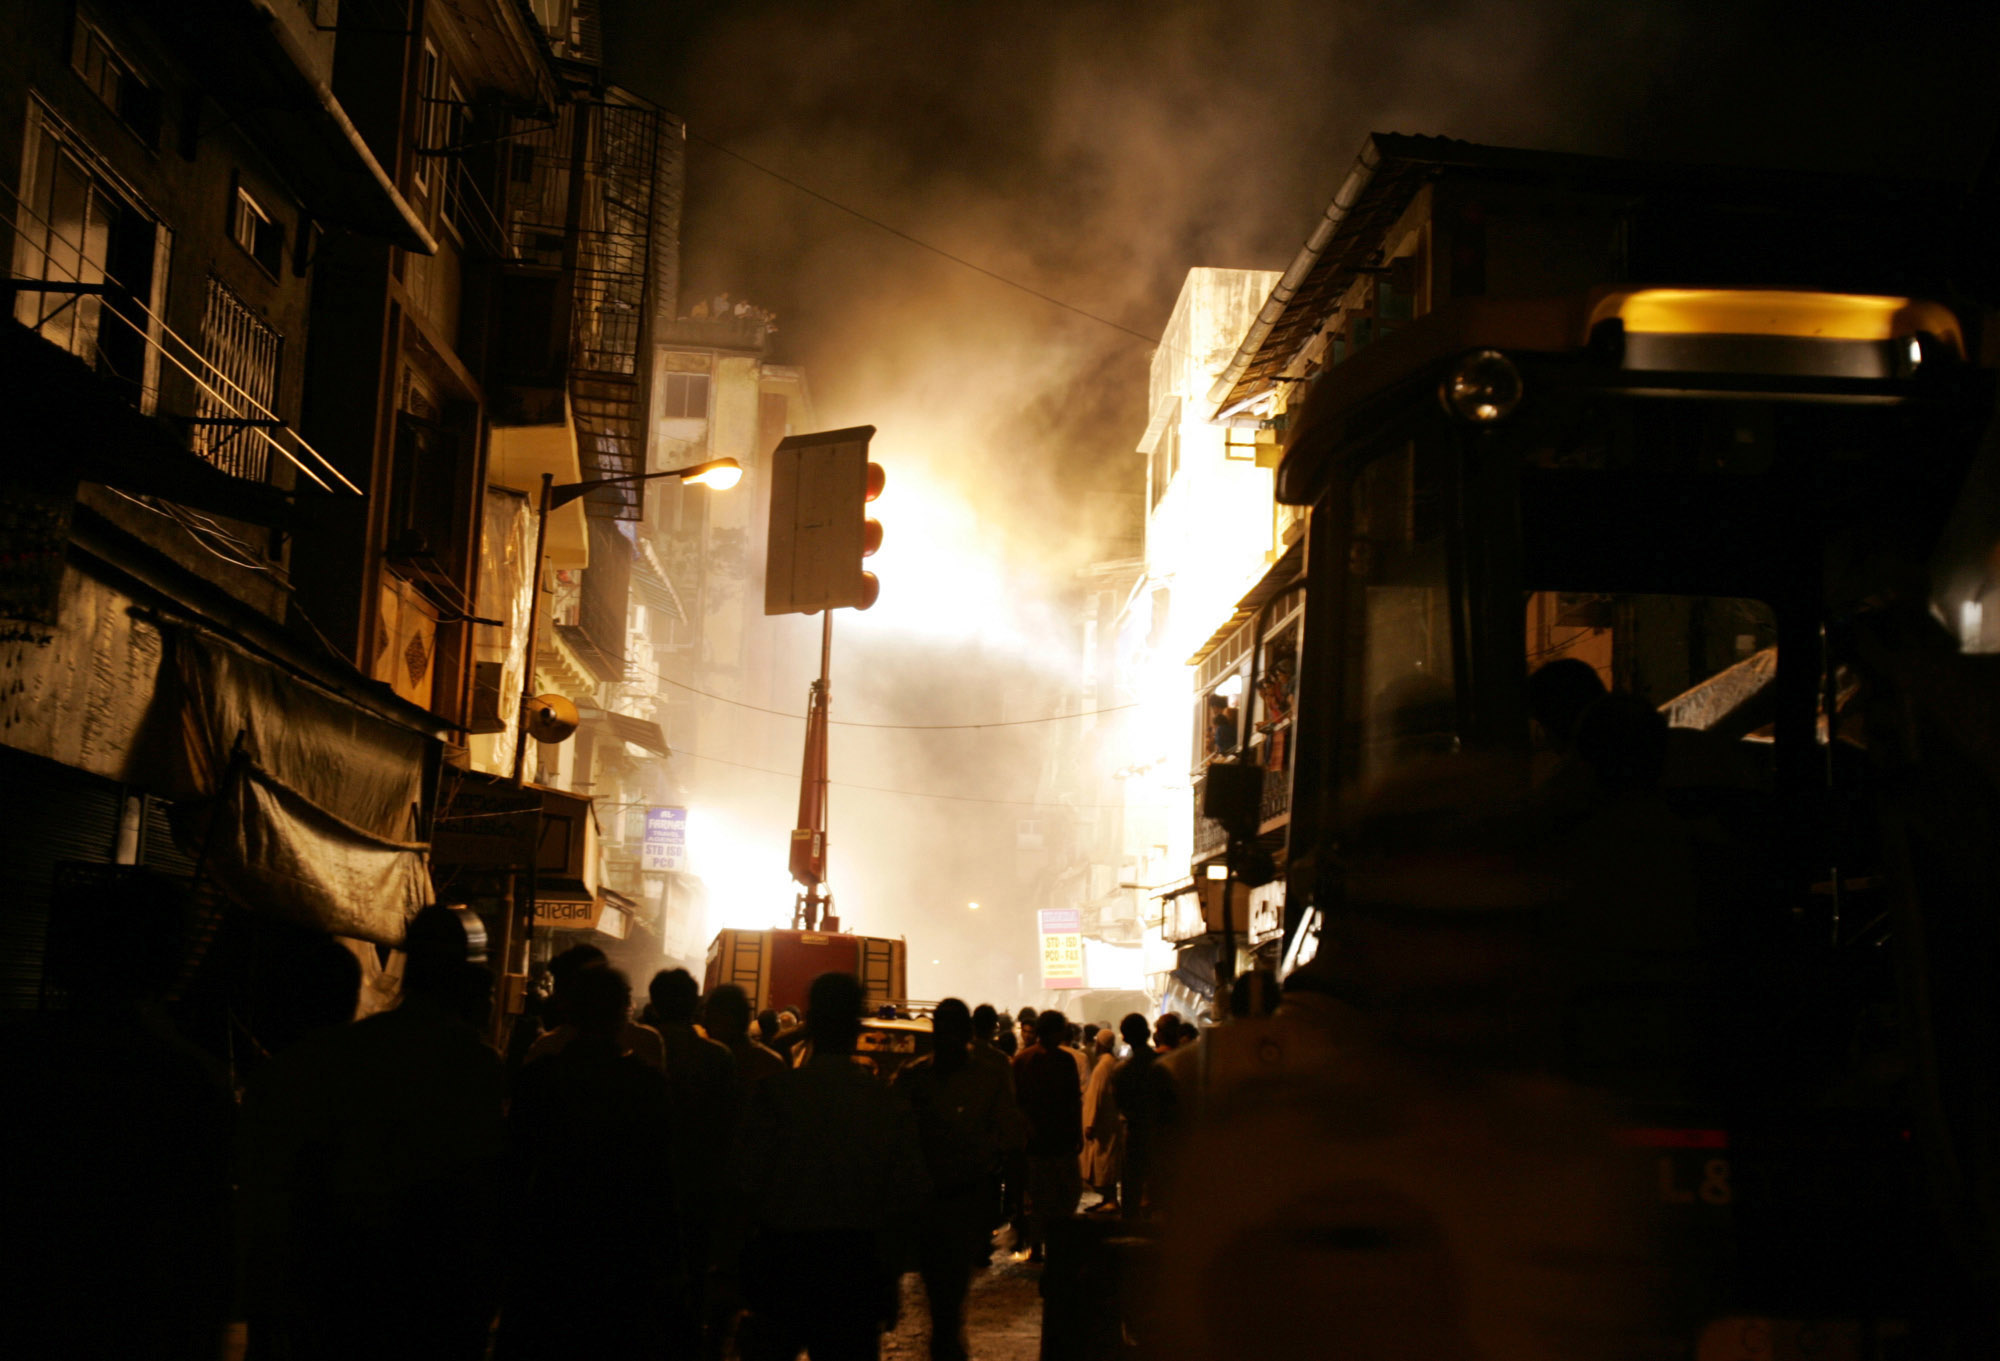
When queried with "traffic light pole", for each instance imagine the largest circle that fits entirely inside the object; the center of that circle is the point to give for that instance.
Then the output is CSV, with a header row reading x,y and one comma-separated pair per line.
x,y
809,833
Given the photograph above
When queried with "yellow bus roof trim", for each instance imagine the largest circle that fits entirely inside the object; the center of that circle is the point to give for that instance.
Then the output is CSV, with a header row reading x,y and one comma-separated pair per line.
x,y
1776,312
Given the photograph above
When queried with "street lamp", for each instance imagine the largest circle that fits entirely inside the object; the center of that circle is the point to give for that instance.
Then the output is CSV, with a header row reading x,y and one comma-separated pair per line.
x,y
719,473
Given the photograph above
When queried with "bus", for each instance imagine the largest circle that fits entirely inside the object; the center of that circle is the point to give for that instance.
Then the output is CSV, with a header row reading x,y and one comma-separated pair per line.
x,y
1719,500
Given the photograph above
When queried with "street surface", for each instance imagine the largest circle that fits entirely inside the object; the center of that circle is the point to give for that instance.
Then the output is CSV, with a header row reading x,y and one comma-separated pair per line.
x,y
1003,1315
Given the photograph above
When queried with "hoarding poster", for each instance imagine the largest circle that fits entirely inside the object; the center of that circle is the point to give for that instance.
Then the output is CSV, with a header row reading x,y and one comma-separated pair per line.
x,y
1062,947
665,846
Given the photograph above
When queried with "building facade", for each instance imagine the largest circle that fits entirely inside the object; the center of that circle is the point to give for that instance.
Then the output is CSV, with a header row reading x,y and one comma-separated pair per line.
x,y
180,726
1212,538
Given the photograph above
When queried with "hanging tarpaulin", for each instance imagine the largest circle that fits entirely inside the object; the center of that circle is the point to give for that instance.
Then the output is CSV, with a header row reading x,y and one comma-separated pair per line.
x,y
356,765
274,851
299,802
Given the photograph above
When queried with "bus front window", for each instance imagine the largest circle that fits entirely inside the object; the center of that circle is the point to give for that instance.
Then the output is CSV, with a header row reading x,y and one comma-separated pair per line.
x,y
1399,687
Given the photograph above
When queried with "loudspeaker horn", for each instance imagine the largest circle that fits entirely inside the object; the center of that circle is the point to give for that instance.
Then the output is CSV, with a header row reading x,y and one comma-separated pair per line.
x,y
551,718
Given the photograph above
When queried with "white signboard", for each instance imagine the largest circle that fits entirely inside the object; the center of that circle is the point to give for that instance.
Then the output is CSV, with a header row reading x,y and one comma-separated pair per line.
x,y
665,846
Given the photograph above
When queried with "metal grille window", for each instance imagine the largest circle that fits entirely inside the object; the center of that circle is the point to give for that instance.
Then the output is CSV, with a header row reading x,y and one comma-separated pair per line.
x,y
245,351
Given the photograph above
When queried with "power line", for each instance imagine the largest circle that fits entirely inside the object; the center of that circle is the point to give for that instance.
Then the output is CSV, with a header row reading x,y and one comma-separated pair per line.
x,y
921,244
900,727
908,793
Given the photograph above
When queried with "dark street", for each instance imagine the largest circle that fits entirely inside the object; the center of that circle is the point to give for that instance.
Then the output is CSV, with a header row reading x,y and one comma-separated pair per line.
x,y
722,680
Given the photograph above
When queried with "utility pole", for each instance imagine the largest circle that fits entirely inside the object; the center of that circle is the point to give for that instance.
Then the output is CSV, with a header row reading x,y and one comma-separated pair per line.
x,y
814,908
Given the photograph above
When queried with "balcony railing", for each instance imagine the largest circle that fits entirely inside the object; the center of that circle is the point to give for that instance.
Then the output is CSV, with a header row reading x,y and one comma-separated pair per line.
x,y
56,278
708,333
1276,805
1274,809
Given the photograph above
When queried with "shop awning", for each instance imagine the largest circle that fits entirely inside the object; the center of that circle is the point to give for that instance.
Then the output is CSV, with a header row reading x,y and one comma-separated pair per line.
x,y
652,586
640,732
297,802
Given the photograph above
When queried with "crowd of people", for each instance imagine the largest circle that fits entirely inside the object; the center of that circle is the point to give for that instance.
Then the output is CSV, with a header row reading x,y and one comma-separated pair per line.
x,y
664,1175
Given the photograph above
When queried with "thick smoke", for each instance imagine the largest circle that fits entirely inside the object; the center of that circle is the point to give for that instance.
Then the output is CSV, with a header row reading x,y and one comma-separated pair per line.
x,y
1094,152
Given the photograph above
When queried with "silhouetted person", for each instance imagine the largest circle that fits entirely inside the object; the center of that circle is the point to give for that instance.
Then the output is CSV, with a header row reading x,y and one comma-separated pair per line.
x,y
1254,994
1624,742
701,1087
1051,1095
641,1041
370,1177
1558,692
117,1203
835,1179
587,1126
767,1029
726,1017
1167,1031
984,1048
1137,1086
965,1114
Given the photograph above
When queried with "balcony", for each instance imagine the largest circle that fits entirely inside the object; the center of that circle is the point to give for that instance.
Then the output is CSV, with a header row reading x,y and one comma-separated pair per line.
x,y
1274,811
1209,837
725,333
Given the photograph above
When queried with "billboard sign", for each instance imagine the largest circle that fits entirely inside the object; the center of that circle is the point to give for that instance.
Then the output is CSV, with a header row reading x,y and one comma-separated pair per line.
x,y
1062,947
665,844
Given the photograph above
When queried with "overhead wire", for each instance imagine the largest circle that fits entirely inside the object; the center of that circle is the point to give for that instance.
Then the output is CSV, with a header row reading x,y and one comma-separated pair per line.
x,y
899,727
922,244
911,793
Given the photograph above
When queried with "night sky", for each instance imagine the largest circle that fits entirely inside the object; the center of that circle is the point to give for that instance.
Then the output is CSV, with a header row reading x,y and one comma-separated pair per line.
x,y
1094,152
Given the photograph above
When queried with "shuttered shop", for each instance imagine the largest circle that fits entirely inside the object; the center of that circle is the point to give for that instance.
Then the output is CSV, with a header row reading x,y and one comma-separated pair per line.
x,y
59,813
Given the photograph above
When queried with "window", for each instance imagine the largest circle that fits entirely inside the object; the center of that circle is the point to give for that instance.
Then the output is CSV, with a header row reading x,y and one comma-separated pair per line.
x,y
1401,699
243,352
1167,454
686,397
451,126
112,79
425,530
84,235
424,125
1240,445
253,229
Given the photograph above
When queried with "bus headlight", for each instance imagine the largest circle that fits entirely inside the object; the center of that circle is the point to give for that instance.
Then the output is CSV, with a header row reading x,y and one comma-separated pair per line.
x,y
1484,388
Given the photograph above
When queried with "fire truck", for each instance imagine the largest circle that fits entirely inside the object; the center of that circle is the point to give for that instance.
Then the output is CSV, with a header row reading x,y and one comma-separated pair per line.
x,y
777,967
1702,433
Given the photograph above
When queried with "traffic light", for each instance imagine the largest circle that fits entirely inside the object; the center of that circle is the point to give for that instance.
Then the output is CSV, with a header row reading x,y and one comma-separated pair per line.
x,y
820,531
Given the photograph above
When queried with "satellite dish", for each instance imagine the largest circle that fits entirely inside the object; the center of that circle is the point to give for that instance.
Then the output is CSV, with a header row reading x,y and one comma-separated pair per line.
x,y
551,718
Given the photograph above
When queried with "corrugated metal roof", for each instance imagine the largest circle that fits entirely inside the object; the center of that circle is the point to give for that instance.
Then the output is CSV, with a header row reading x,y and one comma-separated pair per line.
x,y
1282,574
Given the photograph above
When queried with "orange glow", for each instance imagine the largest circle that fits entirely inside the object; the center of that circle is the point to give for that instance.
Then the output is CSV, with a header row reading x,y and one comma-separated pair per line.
x,y
721,475
1777,312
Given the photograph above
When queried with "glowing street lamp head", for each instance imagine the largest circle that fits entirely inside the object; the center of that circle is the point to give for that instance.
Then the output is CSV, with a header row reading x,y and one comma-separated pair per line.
x,y
721,474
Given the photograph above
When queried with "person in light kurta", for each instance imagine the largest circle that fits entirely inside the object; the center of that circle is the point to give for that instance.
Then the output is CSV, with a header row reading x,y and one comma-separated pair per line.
x,y
1103,1155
